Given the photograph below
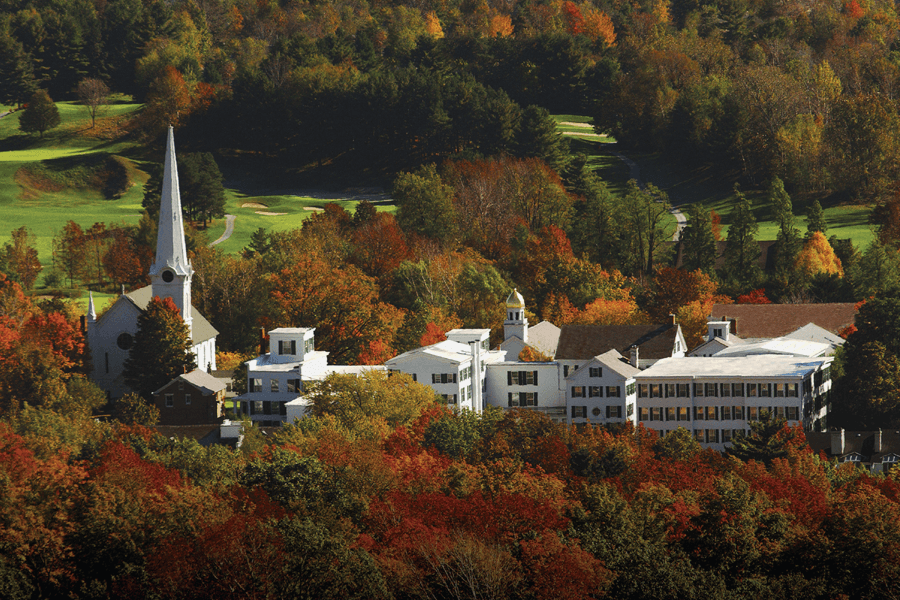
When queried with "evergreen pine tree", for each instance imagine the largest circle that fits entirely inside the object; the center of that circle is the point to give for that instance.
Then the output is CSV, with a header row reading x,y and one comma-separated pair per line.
x,y
767,441
40,115
815,219
741,248
161,350
16,72
699,241
788,240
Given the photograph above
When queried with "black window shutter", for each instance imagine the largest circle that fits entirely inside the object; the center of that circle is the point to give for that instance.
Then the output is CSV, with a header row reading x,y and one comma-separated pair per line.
x,y
293,346
535,377
509,380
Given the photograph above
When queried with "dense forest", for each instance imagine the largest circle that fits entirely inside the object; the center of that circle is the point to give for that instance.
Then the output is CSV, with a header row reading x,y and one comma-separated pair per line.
x,y
448,104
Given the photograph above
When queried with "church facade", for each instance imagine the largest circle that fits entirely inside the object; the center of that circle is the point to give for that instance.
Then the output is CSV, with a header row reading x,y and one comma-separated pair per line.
x,y
111,336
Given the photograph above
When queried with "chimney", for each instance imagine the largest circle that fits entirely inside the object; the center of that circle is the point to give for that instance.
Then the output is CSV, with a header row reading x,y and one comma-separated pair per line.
x,y
262,340
878,442
672,318
837,442
635,356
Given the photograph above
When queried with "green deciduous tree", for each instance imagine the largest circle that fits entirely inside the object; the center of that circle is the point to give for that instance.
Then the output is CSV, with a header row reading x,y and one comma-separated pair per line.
x,y
19,258
161,350
69,252
40,114
425,204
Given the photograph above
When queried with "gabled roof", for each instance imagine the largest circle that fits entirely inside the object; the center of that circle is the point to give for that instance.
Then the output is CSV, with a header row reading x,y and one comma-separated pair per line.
x,y
783,346
813,333
544,337
201,329
200,379
450,351
582,342
616,362
776,320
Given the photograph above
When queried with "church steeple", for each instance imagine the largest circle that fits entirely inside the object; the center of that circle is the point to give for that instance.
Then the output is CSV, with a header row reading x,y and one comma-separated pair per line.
x,y
171,272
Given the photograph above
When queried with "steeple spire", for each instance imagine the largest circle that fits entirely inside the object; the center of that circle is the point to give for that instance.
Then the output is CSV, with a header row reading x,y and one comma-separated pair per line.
x,y
170,247
92,314
171,272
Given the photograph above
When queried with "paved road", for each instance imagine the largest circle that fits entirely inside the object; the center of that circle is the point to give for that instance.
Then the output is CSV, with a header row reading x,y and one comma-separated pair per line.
x,y
229,229
635,173
3,114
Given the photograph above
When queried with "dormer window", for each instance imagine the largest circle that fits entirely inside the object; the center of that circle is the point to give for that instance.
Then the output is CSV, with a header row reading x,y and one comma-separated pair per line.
x,y
287,347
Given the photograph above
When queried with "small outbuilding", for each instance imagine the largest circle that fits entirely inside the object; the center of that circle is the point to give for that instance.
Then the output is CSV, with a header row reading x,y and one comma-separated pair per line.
x,y
194,398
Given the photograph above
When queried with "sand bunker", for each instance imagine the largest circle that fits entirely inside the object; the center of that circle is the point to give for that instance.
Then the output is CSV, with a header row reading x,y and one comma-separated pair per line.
x,y
313,208
269,214
253,205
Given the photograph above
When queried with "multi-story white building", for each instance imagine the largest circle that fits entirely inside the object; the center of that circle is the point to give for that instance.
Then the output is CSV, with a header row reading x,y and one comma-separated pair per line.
x,y
454,368
602,391
716,397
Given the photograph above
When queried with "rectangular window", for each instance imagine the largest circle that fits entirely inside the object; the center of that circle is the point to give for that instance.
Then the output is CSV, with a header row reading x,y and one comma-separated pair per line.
x,y
443,378
792,390
274,385
630,409
595,391
644,414
449,398
765,390
711,390
699,413
256,385
596,371
737,412
293,385
793,413
513,399
670,413
656,390
643,390
614,391
779,390
257,407
726,413
578,391
579,412
751,390
752,414
698,434
684,413
725,390
670,390
267,408
308,345
187,399
170,400
726,436
613,412
698,390
712,413
629,390
683,390
737,389
656,413
712,435
779,412
565,370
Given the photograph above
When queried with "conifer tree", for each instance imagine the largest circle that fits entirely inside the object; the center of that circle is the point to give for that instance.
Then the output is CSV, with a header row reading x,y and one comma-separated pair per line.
x,y
161,350
699,241
788,240
767,441
741,248
815,219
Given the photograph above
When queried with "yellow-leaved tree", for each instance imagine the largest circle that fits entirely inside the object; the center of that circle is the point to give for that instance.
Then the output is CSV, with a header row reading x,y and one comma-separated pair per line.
x,y
818,256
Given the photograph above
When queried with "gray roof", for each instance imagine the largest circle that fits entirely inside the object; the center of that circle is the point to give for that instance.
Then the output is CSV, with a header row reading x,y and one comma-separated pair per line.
x,y
813,333
200,379
616,362
544,337
201,329
745,367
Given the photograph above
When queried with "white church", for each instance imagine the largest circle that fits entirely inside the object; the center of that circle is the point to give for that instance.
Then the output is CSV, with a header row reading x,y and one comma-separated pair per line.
x,y
111,336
